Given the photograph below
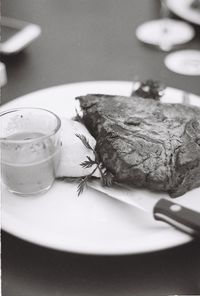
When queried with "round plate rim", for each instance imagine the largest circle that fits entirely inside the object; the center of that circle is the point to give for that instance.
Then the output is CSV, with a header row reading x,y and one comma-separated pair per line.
x,y
183,239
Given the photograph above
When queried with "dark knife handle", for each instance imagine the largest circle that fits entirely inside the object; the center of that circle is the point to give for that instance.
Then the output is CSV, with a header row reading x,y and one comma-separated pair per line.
x,y
180,217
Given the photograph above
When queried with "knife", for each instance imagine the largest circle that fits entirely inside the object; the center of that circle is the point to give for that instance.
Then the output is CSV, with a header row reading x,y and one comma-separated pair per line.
x,y
162,208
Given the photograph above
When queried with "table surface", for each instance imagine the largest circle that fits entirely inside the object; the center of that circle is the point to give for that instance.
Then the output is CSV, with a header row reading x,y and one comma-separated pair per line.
x,y
85,40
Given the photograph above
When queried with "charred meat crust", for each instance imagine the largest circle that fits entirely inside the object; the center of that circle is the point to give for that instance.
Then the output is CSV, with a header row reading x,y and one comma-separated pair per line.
x,y
146,143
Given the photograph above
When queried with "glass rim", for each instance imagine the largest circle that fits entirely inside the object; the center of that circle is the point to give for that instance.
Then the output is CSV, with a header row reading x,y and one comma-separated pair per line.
x,y
52,133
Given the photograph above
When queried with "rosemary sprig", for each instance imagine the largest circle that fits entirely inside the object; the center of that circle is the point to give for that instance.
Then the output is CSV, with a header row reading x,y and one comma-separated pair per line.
x,y
83,182
85,141
88,163
107,178
81,185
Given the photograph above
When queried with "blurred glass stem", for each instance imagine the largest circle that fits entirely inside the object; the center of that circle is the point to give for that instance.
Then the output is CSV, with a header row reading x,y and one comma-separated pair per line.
x,y
165,43
164,11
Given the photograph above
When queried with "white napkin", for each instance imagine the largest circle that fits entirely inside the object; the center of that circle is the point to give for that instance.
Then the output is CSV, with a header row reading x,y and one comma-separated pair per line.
x,y
73,152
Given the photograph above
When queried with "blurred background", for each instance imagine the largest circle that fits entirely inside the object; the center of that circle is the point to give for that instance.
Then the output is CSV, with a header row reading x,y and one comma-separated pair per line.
x,y
85,40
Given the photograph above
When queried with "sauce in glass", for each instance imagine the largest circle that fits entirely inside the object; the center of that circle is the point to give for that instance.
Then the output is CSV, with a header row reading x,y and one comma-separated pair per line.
x,y
30,167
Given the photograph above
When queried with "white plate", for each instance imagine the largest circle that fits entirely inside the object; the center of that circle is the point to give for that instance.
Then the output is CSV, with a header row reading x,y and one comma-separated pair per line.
x,y
183,9
185,62
91,223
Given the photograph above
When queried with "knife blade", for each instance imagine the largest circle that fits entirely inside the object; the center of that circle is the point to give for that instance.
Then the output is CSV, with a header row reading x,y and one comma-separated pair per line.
x,y
161,207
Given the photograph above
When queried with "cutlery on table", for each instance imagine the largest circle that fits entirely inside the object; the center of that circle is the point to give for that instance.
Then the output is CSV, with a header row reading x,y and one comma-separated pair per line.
x,y
163,209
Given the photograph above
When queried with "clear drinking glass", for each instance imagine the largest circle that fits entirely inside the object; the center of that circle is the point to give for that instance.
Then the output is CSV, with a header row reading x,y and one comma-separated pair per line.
x,y
30,149
172,32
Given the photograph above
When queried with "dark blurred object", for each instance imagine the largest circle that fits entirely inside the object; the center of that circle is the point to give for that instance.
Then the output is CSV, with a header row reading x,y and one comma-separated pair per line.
x,y
148,89
196,4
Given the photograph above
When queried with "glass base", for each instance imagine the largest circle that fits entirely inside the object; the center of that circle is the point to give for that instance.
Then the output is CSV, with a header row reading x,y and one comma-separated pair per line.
x,y
31,194
165,33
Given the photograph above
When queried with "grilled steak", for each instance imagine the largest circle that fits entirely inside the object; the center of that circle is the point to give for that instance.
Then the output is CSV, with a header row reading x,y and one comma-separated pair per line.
x,y
146,143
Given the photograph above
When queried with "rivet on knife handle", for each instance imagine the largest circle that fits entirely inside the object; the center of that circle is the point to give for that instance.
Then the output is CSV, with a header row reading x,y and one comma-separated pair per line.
x,y
180,217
